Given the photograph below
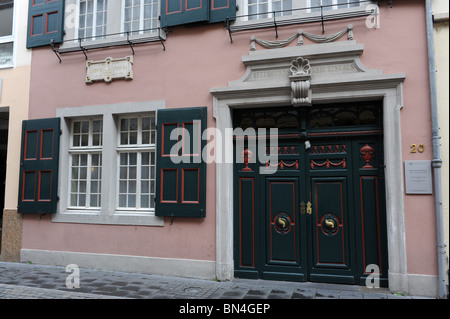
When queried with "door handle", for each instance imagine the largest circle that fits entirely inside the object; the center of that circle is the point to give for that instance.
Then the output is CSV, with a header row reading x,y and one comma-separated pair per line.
x,y
309,208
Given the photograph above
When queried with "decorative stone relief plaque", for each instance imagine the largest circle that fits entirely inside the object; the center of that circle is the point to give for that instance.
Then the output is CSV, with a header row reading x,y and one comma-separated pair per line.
x,y
109,69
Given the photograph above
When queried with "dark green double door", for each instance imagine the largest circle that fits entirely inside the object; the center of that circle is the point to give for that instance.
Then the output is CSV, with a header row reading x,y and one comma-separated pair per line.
x,y
319,217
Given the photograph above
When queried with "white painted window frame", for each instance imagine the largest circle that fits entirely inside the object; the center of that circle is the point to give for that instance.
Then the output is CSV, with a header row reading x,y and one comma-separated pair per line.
x,y
299,7
11,39
141,18
88,150
269,9
94,19
108,213
335,5
137,148
114,28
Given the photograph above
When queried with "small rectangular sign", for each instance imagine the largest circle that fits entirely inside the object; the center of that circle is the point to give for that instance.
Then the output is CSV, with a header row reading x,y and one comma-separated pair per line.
x,y
418,178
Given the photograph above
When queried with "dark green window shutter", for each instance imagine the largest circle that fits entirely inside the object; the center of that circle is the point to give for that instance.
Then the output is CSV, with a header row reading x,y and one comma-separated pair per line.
x,y
38,180
180,169
45,22
177,12
222,10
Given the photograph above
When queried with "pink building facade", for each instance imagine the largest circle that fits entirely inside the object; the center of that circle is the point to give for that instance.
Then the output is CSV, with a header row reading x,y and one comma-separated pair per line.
x,y
348,75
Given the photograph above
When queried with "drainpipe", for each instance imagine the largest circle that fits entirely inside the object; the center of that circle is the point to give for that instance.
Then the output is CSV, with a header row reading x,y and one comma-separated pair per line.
x,y
437,162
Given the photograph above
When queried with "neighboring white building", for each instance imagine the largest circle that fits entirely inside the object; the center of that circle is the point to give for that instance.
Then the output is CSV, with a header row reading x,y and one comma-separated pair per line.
x,y
441,20
15,64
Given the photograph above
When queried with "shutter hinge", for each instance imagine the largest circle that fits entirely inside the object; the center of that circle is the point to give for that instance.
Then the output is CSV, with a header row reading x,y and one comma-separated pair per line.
x,y
60,132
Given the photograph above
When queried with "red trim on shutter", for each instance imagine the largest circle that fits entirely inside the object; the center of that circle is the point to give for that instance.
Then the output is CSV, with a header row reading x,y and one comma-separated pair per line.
x,y
182,186
162,186
46,22
218,8
196,8
167,7
39,187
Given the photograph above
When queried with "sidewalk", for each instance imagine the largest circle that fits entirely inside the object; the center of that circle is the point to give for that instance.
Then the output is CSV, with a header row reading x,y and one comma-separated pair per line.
x,y
29,281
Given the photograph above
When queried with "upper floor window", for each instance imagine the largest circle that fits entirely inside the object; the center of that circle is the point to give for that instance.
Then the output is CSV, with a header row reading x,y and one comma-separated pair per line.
x,y
140,15
259,9
6,32
108,20
92,19
333,4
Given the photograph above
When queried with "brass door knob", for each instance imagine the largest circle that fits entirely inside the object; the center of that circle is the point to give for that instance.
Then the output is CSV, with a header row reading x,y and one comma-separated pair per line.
x,y
282,222
329,223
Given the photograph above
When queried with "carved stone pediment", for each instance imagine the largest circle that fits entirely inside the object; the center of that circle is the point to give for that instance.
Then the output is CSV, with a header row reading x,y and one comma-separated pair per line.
x,y
314,65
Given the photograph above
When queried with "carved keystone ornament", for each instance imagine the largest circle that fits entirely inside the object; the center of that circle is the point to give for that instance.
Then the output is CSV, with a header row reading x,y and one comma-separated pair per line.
x,y
300,82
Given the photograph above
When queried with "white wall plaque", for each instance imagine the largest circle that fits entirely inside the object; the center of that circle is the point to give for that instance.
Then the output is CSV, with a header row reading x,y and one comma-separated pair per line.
x,y
109,69
418,177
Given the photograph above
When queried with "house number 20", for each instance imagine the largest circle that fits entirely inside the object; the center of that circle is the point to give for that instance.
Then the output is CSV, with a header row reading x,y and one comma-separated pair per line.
x,y
417,148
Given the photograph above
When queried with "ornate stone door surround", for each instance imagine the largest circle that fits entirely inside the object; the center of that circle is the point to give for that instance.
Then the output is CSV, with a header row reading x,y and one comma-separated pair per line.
x,y
336,74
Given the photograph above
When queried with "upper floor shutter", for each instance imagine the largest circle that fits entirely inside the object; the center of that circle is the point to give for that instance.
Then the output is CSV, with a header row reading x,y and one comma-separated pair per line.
x,y
45,22
222,10
180,169
39,162
176,12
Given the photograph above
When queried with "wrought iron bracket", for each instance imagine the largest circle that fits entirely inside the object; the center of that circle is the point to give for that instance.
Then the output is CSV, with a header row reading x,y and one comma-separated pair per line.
x,y
161,39
227,26
275,25
52,43
130,43
82,48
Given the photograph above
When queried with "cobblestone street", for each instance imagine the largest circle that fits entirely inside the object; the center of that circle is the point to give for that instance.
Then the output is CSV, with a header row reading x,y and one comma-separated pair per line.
x,y
28,281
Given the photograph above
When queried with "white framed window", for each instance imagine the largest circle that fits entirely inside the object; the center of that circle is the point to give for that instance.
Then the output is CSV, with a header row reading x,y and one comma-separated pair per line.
x,y
92,19
260,9
140,16
6,33
136,162
332,4
108,164
85,164
109,21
